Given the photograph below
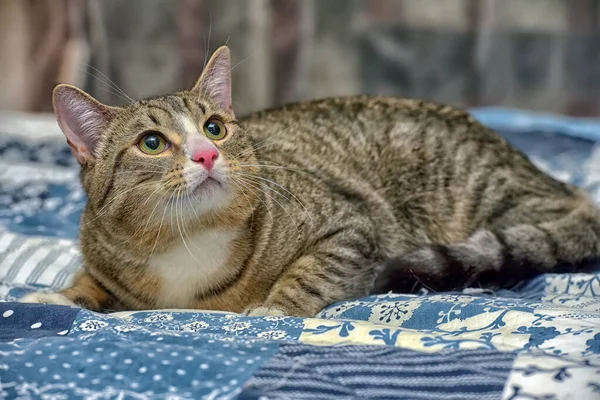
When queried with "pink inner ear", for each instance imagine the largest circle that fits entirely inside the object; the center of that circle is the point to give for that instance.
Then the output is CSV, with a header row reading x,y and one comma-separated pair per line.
x,y
221,90
81,119
215,82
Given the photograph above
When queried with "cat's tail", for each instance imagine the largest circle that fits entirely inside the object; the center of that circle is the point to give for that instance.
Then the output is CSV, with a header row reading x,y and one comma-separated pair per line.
x,y
498,258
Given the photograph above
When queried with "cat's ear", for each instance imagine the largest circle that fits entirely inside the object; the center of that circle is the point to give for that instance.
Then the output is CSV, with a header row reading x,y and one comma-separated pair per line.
x,y
82,119
215,81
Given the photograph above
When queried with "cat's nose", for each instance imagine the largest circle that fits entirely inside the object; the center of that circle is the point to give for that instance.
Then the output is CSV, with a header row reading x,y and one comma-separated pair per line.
x,y
206,157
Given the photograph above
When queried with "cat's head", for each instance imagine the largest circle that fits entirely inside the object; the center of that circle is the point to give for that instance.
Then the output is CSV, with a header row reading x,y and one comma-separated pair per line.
x,y
170,160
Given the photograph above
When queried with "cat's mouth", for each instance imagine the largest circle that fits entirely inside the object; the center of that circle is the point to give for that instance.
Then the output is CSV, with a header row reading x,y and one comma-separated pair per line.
x,y
206,186
210,181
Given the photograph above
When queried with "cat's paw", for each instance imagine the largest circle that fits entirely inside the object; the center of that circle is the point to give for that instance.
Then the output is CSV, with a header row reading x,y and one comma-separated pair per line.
x,y
47,298
264,311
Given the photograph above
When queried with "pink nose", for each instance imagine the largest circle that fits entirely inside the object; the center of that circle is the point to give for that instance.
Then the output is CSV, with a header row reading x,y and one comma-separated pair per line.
x,y
206,157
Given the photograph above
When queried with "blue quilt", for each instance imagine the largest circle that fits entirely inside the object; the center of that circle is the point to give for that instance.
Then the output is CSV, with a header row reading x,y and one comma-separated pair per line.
x,y
540,340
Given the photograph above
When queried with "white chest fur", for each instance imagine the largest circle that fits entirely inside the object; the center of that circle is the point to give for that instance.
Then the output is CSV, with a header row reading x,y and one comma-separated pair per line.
x,y
191,266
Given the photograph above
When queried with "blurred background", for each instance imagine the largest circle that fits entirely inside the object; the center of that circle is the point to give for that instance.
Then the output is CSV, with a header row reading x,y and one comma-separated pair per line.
x,y
541,55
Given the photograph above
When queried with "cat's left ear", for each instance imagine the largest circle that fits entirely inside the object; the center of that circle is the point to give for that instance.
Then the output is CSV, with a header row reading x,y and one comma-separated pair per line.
x,y
215,81
82,119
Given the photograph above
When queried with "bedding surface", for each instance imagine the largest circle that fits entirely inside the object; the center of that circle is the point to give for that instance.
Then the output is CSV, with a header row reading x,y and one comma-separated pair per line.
x,y
539,340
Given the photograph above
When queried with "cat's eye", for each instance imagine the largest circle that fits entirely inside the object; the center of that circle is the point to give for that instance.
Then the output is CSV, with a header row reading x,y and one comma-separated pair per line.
x,y
153,143
214,129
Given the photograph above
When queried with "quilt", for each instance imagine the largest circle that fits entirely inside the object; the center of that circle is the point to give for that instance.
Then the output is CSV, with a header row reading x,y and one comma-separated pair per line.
x,y
538,340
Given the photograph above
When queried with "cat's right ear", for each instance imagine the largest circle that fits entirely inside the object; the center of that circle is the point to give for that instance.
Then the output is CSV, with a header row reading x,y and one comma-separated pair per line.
x,y
82,119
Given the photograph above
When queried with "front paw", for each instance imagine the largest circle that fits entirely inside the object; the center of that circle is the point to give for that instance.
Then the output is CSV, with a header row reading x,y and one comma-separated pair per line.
x,y
264,311
47,298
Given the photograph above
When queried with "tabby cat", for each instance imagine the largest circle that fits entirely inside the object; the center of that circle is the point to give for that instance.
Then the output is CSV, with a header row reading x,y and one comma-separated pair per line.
x,y
286,211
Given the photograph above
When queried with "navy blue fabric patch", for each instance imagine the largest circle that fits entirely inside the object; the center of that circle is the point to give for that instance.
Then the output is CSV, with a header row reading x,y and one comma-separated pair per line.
x,y
20,320
375,372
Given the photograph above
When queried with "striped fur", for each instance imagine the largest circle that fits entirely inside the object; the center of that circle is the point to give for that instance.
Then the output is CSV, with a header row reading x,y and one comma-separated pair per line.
x,y
319,202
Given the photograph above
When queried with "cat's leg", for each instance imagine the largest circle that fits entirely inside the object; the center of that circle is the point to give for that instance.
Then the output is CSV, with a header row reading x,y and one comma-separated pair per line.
x,y
548,235
86,292
338,268
309,285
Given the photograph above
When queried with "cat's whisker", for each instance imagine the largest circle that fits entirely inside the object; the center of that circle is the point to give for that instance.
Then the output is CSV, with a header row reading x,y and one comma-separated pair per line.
x,y
286,190
258,186
153,209
258,145
183,222
182,229
147,165
256,195
166,172
149,161
255,148
246,196
127,97
109,88
130,171
160,226
142,170
236,65
170,207
271,197
237,184
104,209
207,43
195,213
272,137
151,194
149,216
261,184
250,175
114,88
114,93
193,208
274,167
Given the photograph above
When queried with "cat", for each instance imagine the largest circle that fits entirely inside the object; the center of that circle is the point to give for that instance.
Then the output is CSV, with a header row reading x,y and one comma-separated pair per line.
x,y
288,210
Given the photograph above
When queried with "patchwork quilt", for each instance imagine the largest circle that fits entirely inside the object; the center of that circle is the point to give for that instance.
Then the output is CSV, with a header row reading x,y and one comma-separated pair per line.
x,y
539,340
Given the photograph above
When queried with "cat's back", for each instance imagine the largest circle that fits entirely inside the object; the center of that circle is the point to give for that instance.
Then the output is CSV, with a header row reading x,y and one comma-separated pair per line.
x,y
364,135
361,120
353,117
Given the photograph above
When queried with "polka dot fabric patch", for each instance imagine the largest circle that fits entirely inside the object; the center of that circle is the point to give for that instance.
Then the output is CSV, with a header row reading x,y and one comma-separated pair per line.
x,y
20,321
144,355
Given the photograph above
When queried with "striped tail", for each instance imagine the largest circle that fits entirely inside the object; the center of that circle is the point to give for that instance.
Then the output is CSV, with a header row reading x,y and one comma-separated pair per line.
x,y
498,258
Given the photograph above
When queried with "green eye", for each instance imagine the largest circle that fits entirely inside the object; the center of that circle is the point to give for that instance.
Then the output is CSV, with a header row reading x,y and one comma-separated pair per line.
x,y
153,144
215,129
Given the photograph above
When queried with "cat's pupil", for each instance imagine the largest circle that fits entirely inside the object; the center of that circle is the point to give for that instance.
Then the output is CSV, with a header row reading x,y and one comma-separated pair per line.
x,y
213,128
152,142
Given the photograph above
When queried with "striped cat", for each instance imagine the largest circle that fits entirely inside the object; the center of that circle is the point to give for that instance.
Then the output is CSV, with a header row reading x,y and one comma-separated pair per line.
x,y
286,211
